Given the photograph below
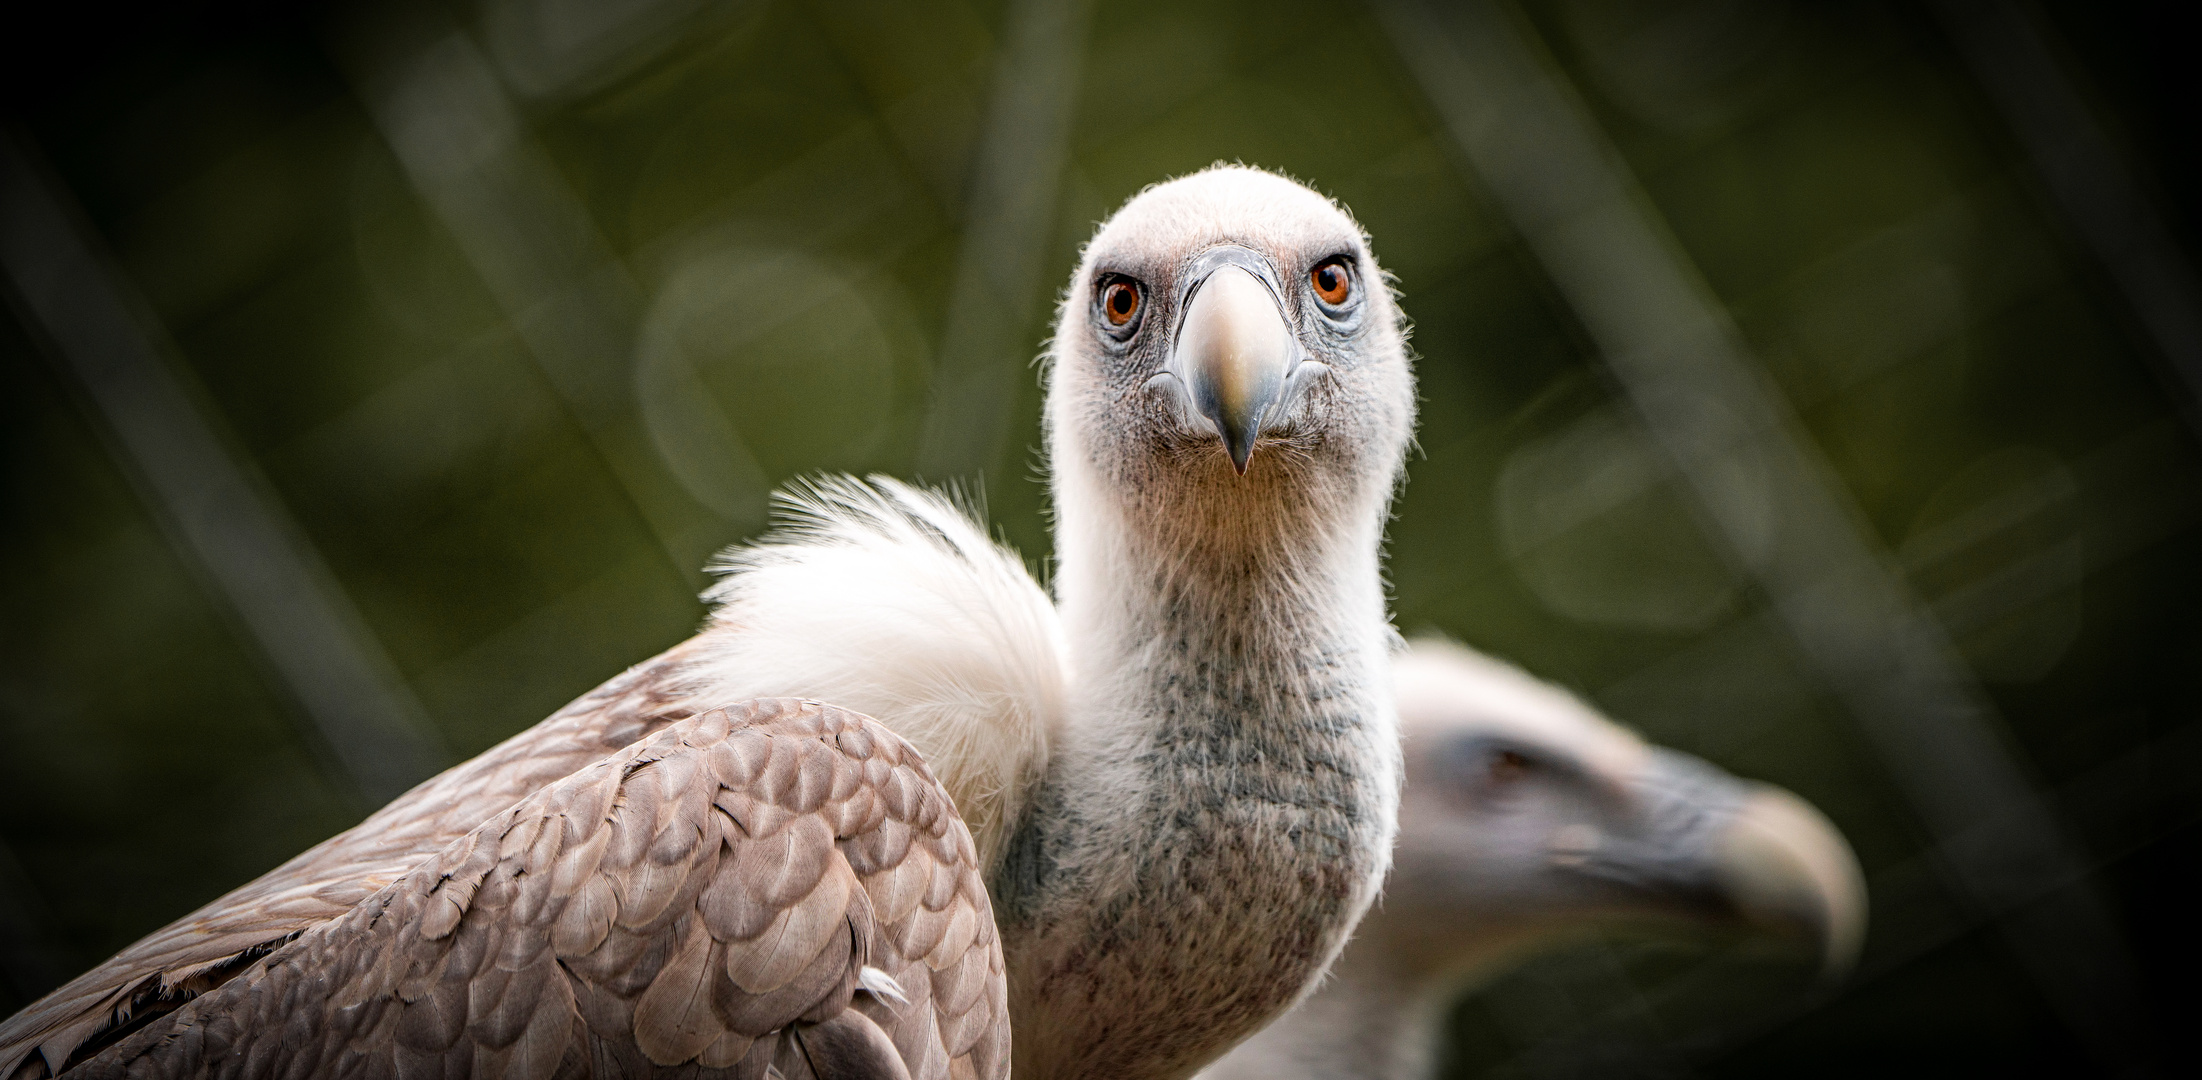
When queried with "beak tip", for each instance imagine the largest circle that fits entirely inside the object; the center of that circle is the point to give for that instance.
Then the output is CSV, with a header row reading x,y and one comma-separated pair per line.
x,y
1788,867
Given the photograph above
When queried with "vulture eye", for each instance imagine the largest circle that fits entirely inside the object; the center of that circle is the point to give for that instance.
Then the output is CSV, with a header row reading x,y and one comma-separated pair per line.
x,y
1120,304
1509,765
1333,282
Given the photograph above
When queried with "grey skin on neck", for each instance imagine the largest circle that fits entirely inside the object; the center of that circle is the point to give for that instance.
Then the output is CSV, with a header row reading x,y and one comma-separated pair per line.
x,y
1217,812
1196,856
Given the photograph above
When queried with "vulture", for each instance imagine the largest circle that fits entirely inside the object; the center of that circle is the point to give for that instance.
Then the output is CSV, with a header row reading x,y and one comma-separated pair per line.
x,y
893,811
1530,820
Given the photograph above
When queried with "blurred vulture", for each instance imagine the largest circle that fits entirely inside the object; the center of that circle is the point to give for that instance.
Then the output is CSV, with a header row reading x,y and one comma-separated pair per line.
x,y
1529,821
1177,784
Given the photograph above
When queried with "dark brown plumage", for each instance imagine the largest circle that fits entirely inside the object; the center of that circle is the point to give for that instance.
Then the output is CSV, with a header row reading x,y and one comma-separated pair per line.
x,y
710,895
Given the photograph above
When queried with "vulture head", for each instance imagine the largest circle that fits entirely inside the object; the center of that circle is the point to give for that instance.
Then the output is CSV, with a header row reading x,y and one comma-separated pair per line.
x,y
1229,350
1229,405
1529,821
1529,817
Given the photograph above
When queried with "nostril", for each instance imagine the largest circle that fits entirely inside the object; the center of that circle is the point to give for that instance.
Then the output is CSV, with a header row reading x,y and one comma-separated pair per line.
x,y
1305,374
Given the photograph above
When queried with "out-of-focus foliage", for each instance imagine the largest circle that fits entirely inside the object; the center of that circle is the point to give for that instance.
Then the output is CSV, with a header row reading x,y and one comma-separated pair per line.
x,y
770,200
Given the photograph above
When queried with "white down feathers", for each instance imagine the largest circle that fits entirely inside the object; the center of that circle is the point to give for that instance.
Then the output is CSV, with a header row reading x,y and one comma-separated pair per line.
x,y
890,600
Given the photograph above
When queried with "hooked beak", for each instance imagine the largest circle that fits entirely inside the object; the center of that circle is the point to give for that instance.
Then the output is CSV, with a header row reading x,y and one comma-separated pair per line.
x,y
1730,852
1234,361
1787,871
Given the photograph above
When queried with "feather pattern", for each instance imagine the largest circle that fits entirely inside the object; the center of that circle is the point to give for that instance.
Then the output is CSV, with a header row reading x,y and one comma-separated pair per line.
x,y
985,713
506,995
199,951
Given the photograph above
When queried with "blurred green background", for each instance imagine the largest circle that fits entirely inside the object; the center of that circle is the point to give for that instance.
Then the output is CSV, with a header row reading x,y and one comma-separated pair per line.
x,y
512,314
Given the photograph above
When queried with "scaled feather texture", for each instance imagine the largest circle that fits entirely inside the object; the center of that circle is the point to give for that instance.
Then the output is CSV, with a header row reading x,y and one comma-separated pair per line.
x,y
711,896
932,585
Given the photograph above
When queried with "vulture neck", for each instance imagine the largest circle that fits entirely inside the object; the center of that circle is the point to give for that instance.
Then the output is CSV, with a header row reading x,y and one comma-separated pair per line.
x,y
1369,1021
1380,1012
1218,810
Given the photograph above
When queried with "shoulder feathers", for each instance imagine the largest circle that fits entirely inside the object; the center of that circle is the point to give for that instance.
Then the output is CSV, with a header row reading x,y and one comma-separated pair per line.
x,y
889,600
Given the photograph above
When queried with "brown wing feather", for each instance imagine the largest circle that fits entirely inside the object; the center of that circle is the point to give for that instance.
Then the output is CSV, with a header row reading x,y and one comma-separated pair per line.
x,y
734,941
200,950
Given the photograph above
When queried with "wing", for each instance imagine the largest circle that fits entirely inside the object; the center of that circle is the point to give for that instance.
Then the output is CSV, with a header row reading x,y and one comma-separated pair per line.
x,y
201,950
881,598
783,887
890,600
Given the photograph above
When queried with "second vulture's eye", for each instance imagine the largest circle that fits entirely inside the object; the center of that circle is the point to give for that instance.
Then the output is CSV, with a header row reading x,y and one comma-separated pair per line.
x,y
1509,765
1120,303
1333,282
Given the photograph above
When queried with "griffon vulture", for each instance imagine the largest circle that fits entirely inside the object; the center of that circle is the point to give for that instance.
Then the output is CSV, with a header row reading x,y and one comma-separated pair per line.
x,y
1182,776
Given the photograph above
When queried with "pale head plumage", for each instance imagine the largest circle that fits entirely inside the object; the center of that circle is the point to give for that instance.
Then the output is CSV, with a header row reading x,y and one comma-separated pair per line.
x,y
1529,816
1125,431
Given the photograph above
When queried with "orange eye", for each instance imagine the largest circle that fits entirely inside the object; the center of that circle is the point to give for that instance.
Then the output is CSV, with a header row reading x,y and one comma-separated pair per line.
x,y
1119,303
1333,282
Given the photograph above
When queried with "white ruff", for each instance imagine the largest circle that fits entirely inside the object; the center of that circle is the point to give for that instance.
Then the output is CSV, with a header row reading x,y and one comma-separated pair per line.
x,y
889,600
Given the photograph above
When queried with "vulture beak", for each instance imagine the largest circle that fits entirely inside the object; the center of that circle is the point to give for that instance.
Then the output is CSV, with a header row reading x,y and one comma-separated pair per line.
x,y
1730,853
1786,870
1234,360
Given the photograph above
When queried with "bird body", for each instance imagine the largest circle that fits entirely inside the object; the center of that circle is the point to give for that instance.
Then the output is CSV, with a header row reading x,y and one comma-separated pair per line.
x,y
1530,821
779,887
1180,782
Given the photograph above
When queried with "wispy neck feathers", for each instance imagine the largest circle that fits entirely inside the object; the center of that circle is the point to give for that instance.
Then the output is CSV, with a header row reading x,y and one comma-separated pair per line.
x,y
893,601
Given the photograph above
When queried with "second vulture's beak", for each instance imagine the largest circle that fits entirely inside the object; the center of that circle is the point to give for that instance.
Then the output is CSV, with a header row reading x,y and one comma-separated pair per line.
x,y
1705,844
1234,356
1787,871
